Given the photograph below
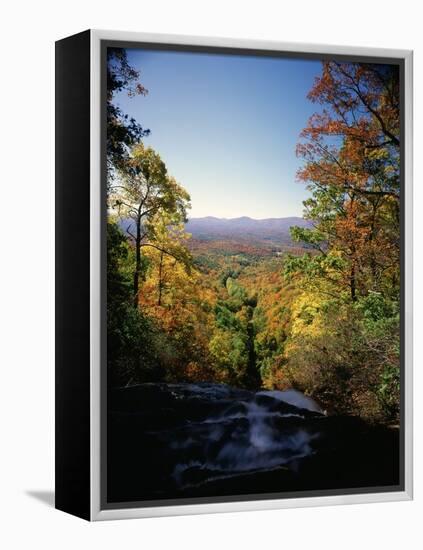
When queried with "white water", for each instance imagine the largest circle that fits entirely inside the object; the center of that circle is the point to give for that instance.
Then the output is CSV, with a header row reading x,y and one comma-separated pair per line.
x,y
247,435
294,397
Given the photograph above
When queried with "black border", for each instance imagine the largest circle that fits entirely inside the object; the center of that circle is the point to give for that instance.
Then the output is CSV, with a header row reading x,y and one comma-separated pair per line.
x,y
72,270
152,46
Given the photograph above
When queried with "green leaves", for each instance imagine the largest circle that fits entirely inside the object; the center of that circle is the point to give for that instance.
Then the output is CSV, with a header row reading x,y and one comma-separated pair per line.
x,y
145,192
312,266
304,235
122,131
376,308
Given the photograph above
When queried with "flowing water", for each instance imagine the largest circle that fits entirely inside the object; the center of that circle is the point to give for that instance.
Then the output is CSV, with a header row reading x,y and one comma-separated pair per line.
x,y
249,432
176,440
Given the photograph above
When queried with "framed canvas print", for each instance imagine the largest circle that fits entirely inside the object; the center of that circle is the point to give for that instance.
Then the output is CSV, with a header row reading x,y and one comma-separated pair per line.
x,y
233,275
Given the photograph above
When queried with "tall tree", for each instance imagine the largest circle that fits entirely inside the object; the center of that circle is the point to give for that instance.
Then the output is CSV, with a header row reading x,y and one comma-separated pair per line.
x,y
351,154
152,204
344,336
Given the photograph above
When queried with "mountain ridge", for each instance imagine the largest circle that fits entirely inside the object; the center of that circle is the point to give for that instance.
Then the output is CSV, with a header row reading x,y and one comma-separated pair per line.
x,y
249,218
242,228
211,227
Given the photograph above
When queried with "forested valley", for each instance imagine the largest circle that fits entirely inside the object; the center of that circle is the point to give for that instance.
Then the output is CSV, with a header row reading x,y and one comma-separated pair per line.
x,y
318,312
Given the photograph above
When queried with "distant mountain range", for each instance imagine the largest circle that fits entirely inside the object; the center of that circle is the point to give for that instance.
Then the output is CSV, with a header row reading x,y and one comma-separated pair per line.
x,y
271,229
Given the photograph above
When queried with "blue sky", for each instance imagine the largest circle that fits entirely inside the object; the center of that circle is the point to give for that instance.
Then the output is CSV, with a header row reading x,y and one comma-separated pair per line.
x,y
226,127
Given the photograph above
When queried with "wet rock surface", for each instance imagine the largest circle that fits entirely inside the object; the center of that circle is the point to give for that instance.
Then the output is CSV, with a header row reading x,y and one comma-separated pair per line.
x,y
169,441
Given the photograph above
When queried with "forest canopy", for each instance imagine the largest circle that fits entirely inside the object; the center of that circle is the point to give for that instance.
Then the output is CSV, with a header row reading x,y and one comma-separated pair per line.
x,y
320,314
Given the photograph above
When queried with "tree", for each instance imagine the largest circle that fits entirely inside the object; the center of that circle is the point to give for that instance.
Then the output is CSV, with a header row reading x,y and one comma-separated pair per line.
x,y
122,131
361,104
351,154
345,327
169,250
153,206
131,336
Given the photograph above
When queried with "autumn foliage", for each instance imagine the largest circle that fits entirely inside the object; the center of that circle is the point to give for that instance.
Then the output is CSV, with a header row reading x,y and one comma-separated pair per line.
x,y
349,343
322,317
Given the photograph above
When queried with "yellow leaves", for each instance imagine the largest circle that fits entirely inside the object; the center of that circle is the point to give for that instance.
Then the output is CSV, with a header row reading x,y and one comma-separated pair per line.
x,y
220,346
179,301
305,314
378,154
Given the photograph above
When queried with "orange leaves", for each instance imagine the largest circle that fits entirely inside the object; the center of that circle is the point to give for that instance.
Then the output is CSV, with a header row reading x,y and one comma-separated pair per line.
x,y
352,233
361,101
351,159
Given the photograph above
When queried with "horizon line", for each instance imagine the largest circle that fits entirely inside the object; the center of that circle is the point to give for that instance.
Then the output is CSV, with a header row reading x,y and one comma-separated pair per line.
x,y
242,217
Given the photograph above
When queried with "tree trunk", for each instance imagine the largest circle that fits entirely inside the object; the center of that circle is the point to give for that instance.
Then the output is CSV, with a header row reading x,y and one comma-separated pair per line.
x,y
137,271
372,251
160,279
353,282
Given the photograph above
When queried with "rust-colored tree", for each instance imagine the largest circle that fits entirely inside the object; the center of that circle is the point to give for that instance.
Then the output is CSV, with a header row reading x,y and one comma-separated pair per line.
x,y
345,324
351,150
